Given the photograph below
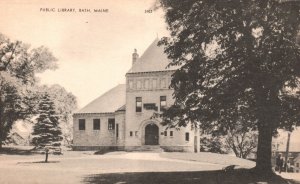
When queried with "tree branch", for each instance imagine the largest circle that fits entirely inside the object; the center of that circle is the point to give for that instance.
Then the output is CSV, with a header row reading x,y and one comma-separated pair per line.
x,y
10,58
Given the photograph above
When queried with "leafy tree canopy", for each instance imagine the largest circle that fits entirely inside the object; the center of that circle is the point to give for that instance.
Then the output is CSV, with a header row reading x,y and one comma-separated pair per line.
x,y
239,63
18,66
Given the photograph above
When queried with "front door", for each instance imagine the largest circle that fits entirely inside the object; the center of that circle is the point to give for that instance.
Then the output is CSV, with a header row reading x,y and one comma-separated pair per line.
x,y
151,134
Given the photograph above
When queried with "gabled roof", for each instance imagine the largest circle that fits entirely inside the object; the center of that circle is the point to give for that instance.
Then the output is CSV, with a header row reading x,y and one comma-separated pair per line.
x,y
109,102
153,59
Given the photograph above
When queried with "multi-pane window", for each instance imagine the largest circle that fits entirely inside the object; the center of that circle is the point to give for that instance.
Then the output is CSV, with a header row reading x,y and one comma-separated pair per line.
x,y
163,102
138,107
171,133
111,124
187,136
81,124
96,124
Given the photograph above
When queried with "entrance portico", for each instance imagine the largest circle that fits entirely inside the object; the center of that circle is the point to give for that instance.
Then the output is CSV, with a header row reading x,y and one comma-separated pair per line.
x,y
150,130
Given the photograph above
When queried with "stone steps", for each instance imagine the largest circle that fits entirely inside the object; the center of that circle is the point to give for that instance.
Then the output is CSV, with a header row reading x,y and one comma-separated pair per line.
x,y
149,148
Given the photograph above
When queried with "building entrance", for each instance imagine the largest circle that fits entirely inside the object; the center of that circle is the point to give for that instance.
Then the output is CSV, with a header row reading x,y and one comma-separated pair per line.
x,y
151,134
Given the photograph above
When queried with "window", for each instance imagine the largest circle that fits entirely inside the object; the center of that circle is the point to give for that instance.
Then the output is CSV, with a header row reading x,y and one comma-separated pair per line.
x,y
131,133
138,84
297,164
81,124
163,103
138,104
165,133
111,124
147,84
187,136
163,83
96,124
130,84
154,83
171,133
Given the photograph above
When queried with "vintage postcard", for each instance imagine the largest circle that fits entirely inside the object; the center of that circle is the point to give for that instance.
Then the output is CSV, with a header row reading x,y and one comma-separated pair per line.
x,y
87,88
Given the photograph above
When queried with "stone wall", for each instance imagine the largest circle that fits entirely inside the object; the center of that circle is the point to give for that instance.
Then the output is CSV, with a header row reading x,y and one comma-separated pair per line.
x,y
90,137
150,86
137,121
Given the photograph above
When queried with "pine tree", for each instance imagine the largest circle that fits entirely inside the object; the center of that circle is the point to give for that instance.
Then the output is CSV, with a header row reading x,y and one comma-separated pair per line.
x,y
46,131
19,65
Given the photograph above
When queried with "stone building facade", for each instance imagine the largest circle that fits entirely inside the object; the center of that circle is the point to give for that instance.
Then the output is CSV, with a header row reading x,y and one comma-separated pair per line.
x,y
121,118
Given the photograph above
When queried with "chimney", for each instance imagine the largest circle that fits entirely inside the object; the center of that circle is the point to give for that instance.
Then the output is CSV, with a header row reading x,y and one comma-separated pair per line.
x,y
135,56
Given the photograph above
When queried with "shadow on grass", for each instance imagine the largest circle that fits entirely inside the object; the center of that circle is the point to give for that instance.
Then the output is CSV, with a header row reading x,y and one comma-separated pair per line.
x,y
241,176
39,162
16,151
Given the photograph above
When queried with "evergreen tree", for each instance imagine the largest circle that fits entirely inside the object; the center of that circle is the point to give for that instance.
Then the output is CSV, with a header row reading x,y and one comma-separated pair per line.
x,y
19,64
46,131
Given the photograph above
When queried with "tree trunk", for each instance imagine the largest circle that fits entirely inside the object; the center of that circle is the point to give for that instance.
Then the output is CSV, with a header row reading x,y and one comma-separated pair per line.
x,y
264,151
1,120
46,159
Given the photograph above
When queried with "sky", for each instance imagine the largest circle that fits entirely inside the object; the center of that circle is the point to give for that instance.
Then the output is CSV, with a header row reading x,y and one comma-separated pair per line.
x,y
93,48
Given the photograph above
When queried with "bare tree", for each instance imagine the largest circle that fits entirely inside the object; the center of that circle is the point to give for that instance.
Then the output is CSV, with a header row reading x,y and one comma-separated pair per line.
x,y
242,143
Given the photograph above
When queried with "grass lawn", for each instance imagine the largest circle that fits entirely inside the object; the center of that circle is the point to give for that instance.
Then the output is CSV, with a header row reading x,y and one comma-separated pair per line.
x,y
20,166
241,176
214,158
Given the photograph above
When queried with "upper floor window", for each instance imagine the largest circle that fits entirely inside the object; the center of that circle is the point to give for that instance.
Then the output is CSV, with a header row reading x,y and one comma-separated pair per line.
x,y
96,124
81,124
163,83
154,83
130,84
138,107
138,84
111,124
163,102
147,84
171,133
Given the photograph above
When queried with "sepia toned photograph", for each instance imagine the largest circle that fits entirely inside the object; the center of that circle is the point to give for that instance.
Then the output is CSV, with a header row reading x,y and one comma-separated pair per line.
x,y
150,92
